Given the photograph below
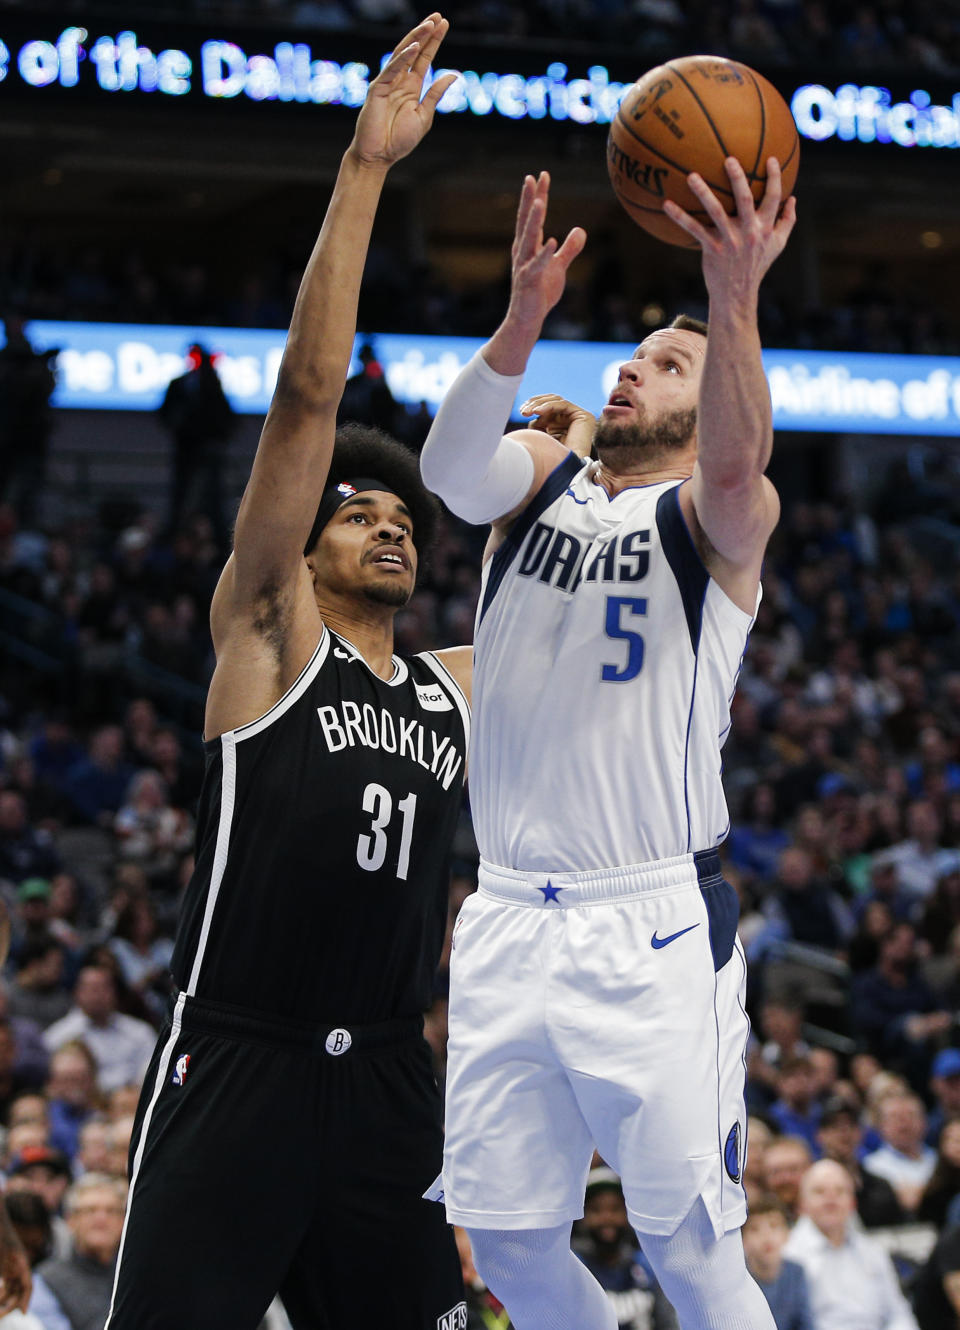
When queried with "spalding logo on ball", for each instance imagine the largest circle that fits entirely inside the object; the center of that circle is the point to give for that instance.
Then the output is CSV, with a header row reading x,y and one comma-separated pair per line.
x,y
689,115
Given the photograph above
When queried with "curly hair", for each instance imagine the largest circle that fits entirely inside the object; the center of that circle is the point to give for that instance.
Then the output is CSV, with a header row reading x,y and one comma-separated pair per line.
x,y
362,450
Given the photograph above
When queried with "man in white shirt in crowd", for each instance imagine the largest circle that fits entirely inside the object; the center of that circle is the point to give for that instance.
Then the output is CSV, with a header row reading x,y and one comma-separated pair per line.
x,y
850,1278
903,1159
122,1045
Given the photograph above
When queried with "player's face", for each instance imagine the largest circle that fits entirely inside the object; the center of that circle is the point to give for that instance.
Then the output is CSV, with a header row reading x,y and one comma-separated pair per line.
x,y
367,549
654,404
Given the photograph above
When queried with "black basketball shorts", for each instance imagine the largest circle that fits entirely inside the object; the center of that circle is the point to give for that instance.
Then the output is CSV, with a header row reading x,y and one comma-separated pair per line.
x,y
271,1159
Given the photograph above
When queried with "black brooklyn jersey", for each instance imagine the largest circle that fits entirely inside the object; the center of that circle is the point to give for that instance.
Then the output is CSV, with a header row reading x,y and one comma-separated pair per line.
x,y
320,888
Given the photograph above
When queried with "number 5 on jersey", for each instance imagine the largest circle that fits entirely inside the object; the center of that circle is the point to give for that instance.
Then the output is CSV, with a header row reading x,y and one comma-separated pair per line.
x,y
614,628
372,848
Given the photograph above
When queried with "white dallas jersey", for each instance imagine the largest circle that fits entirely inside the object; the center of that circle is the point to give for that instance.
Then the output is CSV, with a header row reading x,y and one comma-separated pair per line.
x,y
606,660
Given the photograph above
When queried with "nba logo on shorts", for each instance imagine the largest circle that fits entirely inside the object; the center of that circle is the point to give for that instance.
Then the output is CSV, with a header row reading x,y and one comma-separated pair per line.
x,y
454,1319
180,1075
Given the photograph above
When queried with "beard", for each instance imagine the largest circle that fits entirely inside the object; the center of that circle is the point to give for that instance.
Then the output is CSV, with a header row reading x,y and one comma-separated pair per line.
x,y
640,442
388,593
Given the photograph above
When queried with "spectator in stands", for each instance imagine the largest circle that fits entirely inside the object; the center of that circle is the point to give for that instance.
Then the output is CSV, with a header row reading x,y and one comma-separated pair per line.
x,y
850,1278
936,1293
941,912
118,1145
38,993
25,851
54,749
65,911
922,859
785,1162
73,1094
43,1170
755,843
941,1196
12,1082
605,1243
759,1136
93,1149
840,1138
825,1072
83,1282
783,1283
150,831
29,1106
366,395
144,958
200,419
97,784
31,1222
122,1045
26,420
780,1024
796,1112
893,1009
903,1159
32,917
945,1086
31,1061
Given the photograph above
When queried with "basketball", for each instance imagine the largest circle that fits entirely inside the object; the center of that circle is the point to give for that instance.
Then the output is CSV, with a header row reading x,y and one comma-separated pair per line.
x,y
689,115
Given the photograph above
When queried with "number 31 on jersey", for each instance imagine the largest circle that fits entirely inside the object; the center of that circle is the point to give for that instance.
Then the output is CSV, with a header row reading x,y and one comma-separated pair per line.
x,y
372,847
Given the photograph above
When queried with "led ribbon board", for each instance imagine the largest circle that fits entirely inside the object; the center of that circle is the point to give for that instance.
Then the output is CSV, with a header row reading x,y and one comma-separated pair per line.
x,y
112,366
45,59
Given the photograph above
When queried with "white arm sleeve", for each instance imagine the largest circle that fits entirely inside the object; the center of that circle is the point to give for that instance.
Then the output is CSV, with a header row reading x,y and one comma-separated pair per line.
x,y
479,474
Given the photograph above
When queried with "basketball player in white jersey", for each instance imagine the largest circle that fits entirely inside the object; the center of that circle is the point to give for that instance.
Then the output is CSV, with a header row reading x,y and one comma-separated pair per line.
x,y
596,980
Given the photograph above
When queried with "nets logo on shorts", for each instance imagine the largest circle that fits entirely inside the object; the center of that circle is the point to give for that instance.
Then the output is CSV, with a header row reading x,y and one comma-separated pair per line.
x,y
454,1319
180,1075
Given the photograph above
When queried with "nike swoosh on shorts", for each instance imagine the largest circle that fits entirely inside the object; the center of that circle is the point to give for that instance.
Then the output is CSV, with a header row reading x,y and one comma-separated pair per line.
x,y
658,942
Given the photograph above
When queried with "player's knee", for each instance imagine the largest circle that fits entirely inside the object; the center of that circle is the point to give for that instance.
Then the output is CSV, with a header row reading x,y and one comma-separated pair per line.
x,y
503,1257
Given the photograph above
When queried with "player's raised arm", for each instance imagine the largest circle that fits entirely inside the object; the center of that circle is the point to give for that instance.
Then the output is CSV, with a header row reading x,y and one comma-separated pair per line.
x,y
481,476
293,456
735,505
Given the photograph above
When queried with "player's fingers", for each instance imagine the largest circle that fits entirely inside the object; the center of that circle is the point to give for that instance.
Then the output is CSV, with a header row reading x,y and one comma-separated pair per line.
x,y
399,63
711,204
418,34
687,223
740,186
531,241
769,205
430,42
437,88
787,219
526,203
572,246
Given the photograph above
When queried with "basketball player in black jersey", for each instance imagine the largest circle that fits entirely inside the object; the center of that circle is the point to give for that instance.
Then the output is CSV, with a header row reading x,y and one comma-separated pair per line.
x,y
289,1121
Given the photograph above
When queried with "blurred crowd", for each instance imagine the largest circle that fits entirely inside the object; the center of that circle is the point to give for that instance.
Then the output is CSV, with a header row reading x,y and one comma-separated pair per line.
x,y
107,283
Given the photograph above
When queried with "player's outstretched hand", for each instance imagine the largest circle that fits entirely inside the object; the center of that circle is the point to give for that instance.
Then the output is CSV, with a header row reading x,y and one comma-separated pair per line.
x,y
538,266
562,420
737,251
396,113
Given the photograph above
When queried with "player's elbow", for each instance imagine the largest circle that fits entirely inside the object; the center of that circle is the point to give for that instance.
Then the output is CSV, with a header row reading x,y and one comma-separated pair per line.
x,y
306,391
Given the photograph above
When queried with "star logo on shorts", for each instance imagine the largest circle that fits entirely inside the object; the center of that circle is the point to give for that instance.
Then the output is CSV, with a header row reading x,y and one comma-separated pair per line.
x,y
550,892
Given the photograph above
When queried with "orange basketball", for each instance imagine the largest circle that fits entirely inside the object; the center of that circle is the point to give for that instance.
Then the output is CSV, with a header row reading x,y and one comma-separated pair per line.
x,y
688,115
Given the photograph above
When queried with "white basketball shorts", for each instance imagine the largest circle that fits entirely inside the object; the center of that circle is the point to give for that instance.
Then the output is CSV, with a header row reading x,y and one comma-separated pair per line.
x,y
596,1009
